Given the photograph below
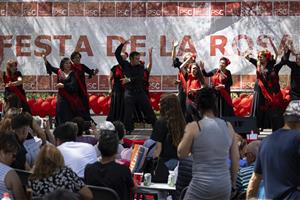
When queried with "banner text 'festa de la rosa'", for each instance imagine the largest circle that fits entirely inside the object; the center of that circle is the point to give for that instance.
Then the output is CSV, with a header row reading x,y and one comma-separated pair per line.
x,y
28,45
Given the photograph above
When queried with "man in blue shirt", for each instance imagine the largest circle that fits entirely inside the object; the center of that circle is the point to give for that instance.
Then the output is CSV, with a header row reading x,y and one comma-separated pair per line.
x,y
278,160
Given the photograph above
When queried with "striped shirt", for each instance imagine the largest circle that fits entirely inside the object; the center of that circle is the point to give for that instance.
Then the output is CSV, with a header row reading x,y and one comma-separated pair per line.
x,y
243,178
4,169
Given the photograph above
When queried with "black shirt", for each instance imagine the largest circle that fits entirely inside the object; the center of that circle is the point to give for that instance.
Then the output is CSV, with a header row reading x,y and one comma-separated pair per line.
x,y
20,161
112,175
135,73
161,134
295,77
278,161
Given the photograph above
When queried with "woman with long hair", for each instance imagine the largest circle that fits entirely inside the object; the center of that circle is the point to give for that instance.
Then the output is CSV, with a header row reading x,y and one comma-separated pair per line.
x,y
69,103
13,81
221,80
168,130
50,174
211,142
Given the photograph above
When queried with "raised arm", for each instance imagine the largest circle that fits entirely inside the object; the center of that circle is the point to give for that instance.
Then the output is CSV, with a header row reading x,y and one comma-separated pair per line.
x,y
274,48
49,67
118,53
183,66
149,65
174,46
252,60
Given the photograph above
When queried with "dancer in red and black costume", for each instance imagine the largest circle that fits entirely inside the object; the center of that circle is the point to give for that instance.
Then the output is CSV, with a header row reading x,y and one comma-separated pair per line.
x,y
69,103
79,70
195,81
13,81
268,97
221,81
116,112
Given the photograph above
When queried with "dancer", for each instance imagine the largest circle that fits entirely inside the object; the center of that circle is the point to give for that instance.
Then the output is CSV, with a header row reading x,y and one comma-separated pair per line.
x,y
116,112
69,103
295,72
195,81
13,81
79,71
221,82
268,97
134,88
181,79
139,117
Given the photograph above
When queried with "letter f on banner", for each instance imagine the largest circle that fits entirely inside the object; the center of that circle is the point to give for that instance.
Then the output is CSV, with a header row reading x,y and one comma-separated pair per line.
x,y
214,45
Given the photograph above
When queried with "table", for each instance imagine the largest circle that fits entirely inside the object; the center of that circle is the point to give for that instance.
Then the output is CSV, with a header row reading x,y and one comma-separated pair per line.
x,y
157,186
161,189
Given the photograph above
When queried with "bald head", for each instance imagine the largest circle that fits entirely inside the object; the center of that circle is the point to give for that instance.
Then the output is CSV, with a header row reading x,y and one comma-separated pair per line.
x,y
252,151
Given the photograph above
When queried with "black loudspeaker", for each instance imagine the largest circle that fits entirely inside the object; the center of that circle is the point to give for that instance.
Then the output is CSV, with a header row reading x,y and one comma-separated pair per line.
x,y
243,125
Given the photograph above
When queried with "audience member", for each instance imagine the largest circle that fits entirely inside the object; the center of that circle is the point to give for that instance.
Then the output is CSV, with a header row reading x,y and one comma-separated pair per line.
x,y
168,130
120,129
211,142
9,180
81,137
245,173
50,174
76,154
278,160
20,124
108,173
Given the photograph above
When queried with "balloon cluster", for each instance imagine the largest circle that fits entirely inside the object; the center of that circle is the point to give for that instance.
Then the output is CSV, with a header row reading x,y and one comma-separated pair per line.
x,y
242,105
154,99
100,104
43,107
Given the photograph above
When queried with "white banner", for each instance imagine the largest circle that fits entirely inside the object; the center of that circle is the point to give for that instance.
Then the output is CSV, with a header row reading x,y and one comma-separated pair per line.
x,y
210,37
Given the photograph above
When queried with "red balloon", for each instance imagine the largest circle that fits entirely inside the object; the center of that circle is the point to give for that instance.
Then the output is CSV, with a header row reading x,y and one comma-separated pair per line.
x,y
96,109
236,101
40,101
53,103
243,95
245,102
31,102
46,107
93,100
42,113
243,112
100,100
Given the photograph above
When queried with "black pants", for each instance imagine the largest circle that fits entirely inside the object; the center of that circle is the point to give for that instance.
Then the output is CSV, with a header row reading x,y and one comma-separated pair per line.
x,y
139,98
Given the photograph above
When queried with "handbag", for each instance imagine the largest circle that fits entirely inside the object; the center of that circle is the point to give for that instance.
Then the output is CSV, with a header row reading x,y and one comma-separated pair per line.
x,y
156,167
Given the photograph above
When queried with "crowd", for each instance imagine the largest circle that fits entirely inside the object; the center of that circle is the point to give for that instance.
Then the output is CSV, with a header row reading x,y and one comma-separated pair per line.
x,y
189,137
